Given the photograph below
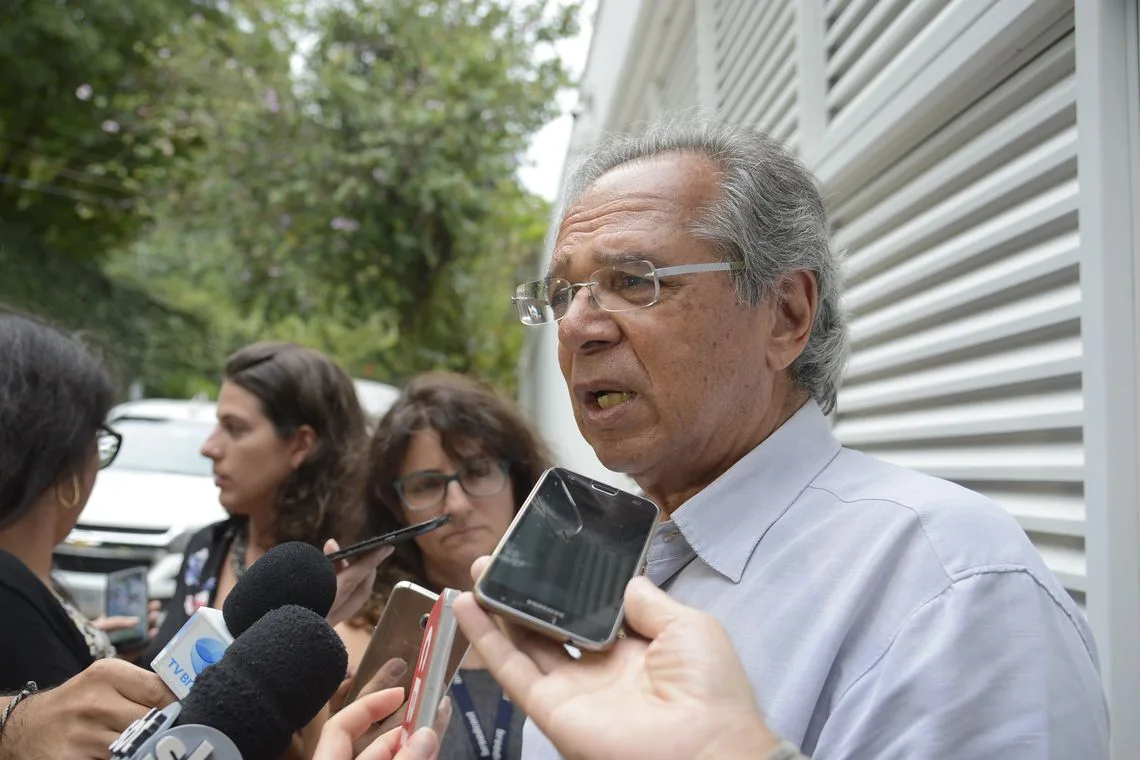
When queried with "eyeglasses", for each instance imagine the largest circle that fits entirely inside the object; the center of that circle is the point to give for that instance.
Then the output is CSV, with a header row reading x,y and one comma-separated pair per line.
x,y
109,443
477,477
621,287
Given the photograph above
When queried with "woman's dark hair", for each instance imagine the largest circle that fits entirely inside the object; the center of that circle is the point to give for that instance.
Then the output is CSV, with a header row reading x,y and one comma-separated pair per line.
x,y
466,414
54,394
299,386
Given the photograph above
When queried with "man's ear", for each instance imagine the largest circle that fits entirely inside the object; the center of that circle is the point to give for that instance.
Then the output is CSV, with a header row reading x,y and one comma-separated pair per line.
x,y
796,302
302,443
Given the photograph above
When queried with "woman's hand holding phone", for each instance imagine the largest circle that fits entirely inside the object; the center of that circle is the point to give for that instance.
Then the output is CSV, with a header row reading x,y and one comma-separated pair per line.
x,y
341,733
354,581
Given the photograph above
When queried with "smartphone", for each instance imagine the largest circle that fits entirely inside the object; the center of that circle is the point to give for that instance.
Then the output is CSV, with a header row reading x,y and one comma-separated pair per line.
x,y
390,538
431,679
563,564
399,635
126,595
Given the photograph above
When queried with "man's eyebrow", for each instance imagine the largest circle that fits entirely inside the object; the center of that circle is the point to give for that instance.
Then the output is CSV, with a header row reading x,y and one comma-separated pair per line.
x,y
605,259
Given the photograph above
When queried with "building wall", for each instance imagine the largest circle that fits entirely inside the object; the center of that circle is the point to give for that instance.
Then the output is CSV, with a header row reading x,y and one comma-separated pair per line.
x,y
985,210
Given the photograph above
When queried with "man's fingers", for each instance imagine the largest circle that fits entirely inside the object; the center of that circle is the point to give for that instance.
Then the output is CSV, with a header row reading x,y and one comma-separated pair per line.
x,y
135,684
650,610
478,566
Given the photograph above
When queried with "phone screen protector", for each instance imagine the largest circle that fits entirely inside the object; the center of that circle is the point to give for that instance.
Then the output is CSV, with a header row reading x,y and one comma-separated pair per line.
x,y
570,555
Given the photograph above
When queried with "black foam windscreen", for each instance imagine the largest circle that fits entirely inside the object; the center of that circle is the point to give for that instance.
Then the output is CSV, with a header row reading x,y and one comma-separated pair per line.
x,y
290,573
271,682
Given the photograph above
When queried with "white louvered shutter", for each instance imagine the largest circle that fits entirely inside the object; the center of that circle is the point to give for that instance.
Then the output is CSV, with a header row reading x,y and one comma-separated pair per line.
x,y
963,243
755,55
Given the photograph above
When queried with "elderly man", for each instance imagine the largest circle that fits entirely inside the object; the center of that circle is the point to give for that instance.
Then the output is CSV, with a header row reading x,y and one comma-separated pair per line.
x,y
880,613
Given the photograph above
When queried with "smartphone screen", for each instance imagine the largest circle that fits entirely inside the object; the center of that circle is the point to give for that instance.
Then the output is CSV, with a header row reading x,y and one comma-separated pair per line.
x,y
567,558
127,597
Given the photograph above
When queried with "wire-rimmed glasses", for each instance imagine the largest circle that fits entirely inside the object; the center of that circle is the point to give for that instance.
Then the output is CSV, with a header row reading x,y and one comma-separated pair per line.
x,y
427,489
621,287
109,442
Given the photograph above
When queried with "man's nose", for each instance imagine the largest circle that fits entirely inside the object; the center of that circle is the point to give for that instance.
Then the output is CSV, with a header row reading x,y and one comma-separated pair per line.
x,y
586,324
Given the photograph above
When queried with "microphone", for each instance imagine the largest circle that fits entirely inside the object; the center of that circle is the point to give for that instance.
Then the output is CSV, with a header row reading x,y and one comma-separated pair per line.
x,y
290,573
272,681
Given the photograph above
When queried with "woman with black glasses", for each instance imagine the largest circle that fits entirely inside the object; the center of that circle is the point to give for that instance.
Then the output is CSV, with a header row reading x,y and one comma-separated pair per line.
x,y
54,396
450,446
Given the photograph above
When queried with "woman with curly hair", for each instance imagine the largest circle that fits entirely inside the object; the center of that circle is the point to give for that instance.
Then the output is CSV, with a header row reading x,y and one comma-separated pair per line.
x,y
451,446
288,453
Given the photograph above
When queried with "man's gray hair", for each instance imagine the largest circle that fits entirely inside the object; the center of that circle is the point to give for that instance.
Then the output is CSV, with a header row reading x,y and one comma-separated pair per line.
x,y
769,215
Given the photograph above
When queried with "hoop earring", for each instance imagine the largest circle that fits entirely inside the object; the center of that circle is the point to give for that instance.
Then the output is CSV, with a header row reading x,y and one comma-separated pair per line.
x,y
73,502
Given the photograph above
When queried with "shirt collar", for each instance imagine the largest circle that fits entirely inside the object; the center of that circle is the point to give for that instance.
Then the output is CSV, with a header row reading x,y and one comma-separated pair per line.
x,y
725,521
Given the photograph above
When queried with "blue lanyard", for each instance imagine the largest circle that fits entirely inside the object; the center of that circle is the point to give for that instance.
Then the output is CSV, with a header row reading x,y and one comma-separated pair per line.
x,y
497,748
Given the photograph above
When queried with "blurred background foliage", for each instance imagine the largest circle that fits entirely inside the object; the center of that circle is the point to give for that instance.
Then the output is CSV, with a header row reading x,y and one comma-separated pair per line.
x,y
180,178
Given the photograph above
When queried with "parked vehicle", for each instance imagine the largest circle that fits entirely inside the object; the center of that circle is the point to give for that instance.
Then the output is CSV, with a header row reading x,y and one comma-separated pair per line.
x,y
146,505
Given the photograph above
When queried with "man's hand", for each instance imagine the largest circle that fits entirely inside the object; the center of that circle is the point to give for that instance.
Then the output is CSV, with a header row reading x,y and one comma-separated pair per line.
x,y
346,727
628,702
80,718
354,581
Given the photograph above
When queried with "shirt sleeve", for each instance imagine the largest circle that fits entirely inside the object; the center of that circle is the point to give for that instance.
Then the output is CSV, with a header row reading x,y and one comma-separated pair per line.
x,y
993,667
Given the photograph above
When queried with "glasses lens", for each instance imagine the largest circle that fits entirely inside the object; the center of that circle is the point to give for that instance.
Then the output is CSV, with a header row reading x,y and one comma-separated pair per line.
x,y
625,286
108,445
423,490
483,477
542,301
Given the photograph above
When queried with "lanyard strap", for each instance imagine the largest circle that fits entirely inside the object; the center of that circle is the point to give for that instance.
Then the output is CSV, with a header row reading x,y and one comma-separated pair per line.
x,y
497,749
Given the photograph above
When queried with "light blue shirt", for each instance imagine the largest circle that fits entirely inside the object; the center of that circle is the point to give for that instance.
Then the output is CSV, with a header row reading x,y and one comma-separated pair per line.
x,y
881,613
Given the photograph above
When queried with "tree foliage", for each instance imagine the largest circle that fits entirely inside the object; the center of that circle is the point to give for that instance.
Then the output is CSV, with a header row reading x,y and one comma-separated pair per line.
x,y
342,175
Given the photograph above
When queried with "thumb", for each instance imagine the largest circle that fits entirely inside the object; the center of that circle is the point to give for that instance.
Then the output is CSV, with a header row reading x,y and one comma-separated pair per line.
x,y
650,610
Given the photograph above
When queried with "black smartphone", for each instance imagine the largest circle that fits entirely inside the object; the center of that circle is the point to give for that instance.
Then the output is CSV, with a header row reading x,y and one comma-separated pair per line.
x,y
564,563
390,538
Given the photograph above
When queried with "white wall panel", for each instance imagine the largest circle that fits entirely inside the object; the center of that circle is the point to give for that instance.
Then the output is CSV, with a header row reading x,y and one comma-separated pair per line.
x,y
964,295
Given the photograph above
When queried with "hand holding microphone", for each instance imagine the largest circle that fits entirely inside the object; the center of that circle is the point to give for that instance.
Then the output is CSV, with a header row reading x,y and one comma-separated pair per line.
x,y
81,717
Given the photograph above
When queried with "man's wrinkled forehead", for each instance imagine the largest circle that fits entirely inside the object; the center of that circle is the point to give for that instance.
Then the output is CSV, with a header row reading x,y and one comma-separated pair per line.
x,y
605,232
633,200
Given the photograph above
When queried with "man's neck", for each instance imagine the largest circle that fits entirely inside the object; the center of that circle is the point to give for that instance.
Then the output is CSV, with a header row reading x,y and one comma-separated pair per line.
x,y
677,487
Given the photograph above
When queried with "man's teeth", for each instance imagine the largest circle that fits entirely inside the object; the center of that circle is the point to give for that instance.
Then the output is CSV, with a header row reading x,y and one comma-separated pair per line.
x,y
609,399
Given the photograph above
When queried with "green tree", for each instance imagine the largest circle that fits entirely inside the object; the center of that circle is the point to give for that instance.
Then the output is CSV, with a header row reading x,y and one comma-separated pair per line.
x,y
75,149
359,196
